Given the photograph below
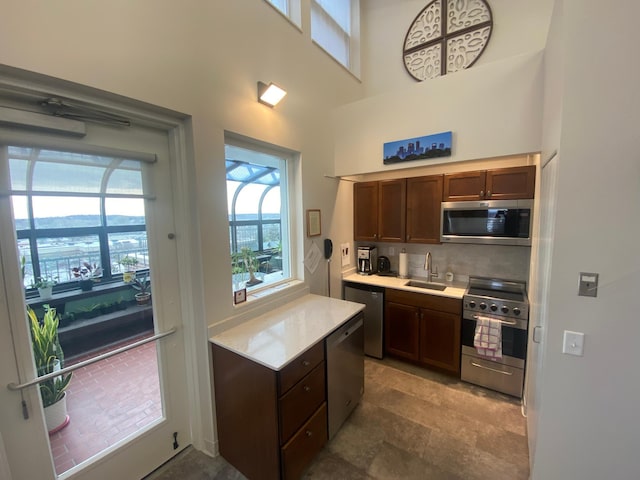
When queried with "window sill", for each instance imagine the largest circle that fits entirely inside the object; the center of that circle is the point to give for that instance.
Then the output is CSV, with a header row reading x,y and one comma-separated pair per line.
x,y
61,298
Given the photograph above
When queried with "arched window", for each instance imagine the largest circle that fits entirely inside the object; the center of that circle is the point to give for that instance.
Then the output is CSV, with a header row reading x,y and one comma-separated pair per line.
x,y
257,198
72,209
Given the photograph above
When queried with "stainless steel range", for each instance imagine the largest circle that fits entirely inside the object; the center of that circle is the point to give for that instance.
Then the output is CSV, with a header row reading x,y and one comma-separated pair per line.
x,y
504,303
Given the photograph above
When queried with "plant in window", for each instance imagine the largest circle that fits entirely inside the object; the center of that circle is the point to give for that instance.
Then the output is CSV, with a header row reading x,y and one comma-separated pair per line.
x,y
143,286
87,274
44,285
49,358
129,265
250,262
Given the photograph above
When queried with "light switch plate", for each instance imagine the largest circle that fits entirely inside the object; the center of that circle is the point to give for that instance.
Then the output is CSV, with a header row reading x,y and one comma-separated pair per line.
x,y
588,284
573,343
345,256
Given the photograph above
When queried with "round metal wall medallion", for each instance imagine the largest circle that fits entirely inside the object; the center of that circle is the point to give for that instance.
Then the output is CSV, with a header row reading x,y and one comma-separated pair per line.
x,y
447,36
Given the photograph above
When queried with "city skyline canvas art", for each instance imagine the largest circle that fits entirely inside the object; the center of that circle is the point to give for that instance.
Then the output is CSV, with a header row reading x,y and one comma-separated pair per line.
x,y
418,148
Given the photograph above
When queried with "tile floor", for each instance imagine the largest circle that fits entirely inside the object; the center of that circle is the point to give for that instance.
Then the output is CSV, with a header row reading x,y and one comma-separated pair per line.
x,y
106,402
411,424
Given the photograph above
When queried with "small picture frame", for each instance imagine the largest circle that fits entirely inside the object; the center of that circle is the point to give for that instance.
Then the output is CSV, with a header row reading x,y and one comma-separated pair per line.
x,y
314,223
239,296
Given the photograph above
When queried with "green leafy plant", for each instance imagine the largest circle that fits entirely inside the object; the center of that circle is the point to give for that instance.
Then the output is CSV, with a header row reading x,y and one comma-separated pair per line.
x,y
86,271
48,354
128,262
142,284
245,261
44,282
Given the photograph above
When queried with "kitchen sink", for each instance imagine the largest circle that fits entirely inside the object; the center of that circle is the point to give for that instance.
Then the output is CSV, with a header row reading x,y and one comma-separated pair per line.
x,y
427,285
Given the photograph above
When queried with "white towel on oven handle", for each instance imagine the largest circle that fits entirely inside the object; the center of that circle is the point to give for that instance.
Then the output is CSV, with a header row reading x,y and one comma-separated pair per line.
x,y
488,337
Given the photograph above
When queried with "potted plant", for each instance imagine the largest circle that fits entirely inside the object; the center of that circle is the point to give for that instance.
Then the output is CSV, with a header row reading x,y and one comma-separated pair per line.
x,y
129,268
49,358
44,286
86,275
143,286
250,262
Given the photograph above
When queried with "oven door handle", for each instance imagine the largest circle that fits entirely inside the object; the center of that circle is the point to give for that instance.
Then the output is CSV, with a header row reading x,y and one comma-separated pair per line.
x,y
476,317
491,369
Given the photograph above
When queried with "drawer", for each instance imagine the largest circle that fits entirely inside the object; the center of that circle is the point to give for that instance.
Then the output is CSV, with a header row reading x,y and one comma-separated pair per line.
x,y
299,367
301,401
424,300
298,453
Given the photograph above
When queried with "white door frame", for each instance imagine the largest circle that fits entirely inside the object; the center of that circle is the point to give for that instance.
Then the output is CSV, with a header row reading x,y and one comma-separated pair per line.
x,y
36,462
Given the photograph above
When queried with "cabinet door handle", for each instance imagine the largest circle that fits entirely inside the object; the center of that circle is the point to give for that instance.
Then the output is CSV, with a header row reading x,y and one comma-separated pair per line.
x,y
306,363
488,193
481,193
306,388
308,433
408,237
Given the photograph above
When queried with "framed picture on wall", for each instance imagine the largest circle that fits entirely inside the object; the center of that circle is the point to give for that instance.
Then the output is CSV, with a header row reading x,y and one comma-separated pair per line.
x,y
313,223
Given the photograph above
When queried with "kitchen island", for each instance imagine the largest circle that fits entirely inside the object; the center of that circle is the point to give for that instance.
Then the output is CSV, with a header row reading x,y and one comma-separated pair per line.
x,y
270,383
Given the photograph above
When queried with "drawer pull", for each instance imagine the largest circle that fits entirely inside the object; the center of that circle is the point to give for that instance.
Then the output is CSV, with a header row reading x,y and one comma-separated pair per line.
x,y
306,388
492,369
306,363
309,433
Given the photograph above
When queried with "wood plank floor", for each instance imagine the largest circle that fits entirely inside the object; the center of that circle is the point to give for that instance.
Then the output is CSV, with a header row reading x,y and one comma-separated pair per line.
x,y
411,424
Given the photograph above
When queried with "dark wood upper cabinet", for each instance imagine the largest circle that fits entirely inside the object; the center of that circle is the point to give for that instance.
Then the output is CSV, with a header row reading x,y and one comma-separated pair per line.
x,y
497,184
424,195
365,211
379,211
391,210
511,183
463,186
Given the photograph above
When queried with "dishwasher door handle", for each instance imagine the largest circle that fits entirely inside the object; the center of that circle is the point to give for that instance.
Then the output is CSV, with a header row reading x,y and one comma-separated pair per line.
x,y
334,339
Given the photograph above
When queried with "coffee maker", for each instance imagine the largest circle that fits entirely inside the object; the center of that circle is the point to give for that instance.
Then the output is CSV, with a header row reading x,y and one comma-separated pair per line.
x,y
367,259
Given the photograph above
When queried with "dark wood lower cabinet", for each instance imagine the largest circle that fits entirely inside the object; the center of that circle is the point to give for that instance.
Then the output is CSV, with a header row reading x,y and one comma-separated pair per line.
x,y
402,326
298,452
440,340
270,424
424,329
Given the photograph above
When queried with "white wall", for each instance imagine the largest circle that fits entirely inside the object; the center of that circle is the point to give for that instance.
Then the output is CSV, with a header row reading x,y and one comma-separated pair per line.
x,y
588,426
493,110
520,27
203,59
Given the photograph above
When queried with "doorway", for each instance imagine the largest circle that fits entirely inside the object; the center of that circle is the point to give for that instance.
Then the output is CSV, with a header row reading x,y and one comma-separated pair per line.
x,y
67,220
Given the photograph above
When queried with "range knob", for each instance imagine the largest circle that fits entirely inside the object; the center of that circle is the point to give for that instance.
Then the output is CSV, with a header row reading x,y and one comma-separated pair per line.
x,y
516,311
472,304
483,306
493,307
505,309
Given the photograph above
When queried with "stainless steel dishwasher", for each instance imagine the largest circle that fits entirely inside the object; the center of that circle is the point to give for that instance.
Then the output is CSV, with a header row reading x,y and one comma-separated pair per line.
x,y
373,298
345,371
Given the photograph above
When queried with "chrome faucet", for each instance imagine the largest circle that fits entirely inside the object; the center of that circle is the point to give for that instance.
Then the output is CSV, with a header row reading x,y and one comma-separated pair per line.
x,y
428,268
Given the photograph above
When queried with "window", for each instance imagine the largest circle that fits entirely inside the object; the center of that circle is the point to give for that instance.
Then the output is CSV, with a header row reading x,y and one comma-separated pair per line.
x,y
335,26
288,8
71,208
258,197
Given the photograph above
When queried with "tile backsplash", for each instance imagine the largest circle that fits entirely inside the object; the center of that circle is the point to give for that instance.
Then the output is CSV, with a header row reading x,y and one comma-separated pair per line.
x,y
506,262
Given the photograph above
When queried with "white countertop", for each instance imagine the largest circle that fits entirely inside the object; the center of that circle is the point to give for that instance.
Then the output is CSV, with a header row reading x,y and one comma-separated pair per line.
x,y
277,337
453,290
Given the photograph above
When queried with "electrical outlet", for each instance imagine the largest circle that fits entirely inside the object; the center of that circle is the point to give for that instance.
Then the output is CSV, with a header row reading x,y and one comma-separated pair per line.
x,y
573,343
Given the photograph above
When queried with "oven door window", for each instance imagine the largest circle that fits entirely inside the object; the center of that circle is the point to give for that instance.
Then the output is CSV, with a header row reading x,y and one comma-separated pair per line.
x,y
491,222
514,340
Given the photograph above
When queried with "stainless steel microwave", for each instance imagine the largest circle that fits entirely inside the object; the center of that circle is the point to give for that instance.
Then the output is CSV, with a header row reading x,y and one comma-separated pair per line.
x,y
492,222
